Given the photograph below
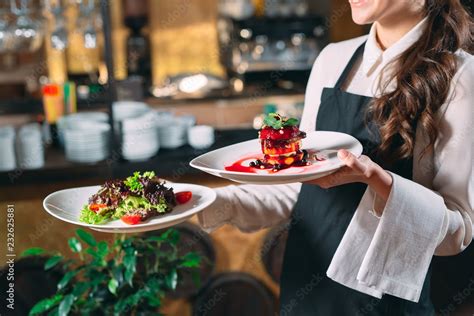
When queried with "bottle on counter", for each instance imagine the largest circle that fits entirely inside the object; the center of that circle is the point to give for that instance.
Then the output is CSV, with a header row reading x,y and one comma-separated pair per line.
x,y
84,68
53,106
70,100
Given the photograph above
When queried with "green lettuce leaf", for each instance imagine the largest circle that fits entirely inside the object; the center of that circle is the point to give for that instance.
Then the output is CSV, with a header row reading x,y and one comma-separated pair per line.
x,y
135,202
90,217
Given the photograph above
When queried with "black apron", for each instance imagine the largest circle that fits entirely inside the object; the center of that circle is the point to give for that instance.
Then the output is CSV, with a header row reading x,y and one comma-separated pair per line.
x,y
321,217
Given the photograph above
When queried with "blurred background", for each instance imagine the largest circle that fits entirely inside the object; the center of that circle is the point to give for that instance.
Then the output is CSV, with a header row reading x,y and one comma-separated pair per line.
x,y
92,90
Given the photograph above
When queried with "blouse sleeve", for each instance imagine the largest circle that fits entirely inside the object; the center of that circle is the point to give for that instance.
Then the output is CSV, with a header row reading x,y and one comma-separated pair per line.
x,y
253,207
250,207
454,163
451,194
430,216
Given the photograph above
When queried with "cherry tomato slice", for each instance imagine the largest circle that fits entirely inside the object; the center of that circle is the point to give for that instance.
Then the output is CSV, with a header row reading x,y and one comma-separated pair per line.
x,y
96,207
131,219
183,197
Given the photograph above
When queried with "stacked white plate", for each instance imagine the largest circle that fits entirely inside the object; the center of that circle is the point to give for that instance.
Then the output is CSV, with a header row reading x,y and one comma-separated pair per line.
x,y
7,145
139,137
72,120
136,125
87,141
173,133
125,110
29,147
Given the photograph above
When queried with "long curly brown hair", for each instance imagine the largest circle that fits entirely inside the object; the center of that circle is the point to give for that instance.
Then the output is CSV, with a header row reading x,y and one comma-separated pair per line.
x,y
423,75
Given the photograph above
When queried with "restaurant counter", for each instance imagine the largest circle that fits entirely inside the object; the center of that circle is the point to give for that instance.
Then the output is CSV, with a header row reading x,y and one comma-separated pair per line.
x,y
171,164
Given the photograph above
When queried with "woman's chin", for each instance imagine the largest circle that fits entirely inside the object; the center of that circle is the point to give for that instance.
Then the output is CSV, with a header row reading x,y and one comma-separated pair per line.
x,y
361,18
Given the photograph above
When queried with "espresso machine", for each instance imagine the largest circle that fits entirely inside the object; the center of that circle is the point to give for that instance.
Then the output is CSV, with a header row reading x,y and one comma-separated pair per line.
x,y
275,51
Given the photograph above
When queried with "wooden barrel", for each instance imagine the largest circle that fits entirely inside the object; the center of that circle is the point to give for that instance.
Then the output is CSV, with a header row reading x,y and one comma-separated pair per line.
x,y
193,238
273,249
32,284
235,294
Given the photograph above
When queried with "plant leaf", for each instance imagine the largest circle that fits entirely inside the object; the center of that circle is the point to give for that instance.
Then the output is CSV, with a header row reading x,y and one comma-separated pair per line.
x,y
54,312
153,285
65,305
129,261
66,278
153,300
74,244
155,238
196,278
80,288
120,307
171,235
117,273
53,261
86,237
99,260
171,279
102,249
33,252
191,260
113,285
46,304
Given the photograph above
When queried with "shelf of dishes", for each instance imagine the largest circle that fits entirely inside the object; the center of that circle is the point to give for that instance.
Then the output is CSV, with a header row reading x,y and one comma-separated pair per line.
x,y
140,132
169,163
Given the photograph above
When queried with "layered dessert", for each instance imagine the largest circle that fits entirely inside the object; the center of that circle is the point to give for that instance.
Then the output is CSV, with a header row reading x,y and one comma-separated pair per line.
x,y
280,140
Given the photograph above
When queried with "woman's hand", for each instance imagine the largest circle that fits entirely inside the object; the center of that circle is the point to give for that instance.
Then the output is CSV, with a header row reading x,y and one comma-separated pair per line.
x,y
361,169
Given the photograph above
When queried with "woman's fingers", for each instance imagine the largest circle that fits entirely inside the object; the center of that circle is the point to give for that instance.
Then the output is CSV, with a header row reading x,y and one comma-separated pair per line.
x,y
352,161
355,170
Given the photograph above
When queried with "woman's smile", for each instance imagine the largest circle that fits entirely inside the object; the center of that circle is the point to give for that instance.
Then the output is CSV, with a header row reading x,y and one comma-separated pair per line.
x,y
358,3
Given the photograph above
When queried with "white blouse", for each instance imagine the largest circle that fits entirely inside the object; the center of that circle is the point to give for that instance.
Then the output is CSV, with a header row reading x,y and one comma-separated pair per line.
x,y
433,214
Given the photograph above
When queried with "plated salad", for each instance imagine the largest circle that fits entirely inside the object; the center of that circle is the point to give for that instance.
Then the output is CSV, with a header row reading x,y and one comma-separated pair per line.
x,y
133,200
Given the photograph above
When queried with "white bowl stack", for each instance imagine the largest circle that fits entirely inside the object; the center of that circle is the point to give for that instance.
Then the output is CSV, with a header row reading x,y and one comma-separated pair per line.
x,y
87,141
7,145
136,125
29,147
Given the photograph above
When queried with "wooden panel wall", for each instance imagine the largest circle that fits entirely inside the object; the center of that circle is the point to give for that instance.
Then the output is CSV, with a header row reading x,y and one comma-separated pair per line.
x,y
183,38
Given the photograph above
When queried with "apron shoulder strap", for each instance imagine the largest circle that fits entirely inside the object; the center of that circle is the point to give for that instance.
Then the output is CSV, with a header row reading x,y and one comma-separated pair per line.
x,y
349,65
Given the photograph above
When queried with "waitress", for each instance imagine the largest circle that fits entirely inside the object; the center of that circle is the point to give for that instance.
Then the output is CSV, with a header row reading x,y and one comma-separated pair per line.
x,y
361,240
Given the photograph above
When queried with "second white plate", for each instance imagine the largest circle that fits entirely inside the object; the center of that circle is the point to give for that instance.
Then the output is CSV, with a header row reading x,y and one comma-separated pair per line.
x,y
66,205
323,143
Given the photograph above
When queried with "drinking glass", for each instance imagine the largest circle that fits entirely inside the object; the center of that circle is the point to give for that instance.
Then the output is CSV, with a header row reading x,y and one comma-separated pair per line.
x,y
87,15
27,33
5,33
59,37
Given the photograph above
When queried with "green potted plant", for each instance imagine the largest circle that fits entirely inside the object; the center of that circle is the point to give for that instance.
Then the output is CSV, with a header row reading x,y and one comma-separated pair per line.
x,y
128,276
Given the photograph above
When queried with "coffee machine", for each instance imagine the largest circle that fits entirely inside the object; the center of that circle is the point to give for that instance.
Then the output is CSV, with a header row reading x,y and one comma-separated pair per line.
x,y
273,50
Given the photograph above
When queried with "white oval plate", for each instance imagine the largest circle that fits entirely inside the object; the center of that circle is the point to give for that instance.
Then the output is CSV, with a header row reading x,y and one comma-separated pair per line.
x,y
67,204
325,143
